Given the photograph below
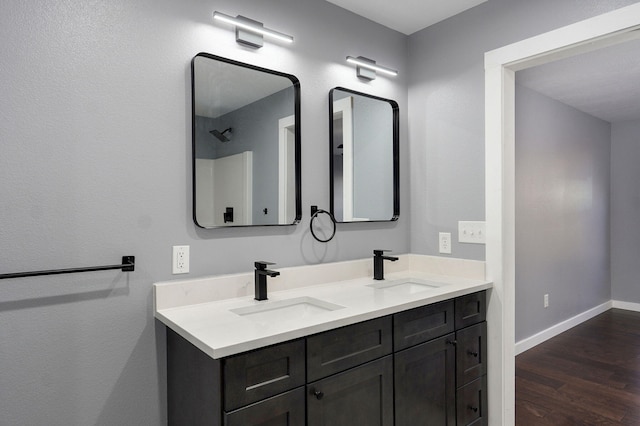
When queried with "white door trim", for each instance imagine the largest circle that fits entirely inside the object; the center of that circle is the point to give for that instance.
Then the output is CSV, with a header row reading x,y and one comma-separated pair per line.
x,y
500,66
285,125
344,108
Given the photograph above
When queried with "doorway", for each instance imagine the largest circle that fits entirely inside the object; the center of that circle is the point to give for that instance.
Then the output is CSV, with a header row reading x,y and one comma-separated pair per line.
x,y
500,67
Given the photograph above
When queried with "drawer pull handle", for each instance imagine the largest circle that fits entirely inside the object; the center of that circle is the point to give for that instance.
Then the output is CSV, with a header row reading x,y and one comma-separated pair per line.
x,y
452,342
318,394
475,354
474,409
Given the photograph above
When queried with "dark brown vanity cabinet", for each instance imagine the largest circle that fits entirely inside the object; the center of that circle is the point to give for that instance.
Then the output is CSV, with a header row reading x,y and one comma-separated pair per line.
x,y
261,387
440,363
362,395
422,366
286,409
471,359
350,375
254,376
425,383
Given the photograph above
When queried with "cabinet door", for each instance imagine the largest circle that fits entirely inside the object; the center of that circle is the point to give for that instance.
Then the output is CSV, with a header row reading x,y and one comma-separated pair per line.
x,y
360,396
471,353
425,384
472,403
338,350
286,409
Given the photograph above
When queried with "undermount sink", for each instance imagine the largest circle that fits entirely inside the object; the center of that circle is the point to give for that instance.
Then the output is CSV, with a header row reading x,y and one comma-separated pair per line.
x,y
406,285
297,308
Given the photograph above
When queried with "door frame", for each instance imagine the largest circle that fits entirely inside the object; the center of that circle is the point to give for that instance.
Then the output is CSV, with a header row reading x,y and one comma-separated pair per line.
x,y
286,129
343,108
500,66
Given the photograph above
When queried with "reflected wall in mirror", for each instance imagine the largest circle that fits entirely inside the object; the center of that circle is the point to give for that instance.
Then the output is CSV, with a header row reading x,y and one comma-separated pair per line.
x,y
363,133
246,144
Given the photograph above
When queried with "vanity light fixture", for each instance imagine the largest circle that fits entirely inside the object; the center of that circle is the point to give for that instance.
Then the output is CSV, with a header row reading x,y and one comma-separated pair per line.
x,y
250,32
366,68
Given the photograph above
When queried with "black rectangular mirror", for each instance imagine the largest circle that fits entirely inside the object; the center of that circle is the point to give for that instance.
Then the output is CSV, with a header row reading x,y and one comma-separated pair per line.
x,y
364,147
246,144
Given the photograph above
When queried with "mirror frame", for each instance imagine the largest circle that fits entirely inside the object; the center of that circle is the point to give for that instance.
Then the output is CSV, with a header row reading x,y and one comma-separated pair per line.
x,y
298,155
396,154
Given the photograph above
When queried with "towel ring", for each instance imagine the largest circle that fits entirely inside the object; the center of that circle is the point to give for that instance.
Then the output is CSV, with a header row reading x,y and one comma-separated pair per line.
x,y
333,220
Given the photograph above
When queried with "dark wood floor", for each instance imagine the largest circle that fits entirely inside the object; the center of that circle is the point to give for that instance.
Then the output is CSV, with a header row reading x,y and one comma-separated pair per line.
x,y
589,375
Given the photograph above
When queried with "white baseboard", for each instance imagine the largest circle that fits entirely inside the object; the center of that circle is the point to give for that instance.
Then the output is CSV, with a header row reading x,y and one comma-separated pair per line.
x,y
536,339
626,305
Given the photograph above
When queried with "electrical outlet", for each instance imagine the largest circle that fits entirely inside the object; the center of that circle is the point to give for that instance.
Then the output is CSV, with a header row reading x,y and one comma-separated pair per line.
x,y
546,300
445,242
471,232
180,259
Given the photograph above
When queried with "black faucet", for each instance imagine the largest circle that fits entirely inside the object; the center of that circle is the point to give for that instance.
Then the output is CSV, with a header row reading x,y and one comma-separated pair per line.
x,y
261,273
378,263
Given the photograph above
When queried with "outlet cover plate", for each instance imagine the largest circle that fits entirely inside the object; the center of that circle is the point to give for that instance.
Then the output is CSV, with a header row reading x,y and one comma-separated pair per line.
x,y
444,239
180,260
472,232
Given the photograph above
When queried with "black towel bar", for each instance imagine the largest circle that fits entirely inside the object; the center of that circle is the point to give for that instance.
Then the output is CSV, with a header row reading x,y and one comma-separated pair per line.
x,y
128,265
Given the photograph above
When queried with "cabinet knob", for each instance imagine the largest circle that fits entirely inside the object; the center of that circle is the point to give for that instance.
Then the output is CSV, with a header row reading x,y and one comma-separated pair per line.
x,y
474,409
475,354
452,342
318,394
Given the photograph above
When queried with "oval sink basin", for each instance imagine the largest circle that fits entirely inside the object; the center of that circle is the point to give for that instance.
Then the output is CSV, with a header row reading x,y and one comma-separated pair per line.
x,y
297,308
406,285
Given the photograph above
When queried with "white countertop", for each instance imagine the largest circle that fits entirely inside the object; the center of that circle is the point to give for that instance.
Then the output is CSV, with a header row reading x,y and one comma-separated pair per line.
x,y
213,328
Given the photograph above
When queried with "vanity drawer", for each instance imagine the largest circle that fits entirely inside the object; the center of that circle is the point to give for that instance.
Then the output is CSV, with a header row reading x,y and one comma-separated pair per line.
x,y
471,353
471,309
422,324
286,409
337,350
471,403
260,374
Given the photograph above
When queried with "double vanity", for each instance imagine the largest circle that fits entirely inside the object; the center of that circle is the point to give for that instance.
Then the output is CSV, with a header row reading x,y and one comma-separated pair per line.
x,y
330,345
333,344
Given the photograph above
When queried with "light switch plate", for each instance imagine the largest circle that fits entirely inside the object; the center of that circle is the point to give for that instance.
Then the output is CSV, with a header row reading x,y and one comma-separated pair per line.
x,y
472,232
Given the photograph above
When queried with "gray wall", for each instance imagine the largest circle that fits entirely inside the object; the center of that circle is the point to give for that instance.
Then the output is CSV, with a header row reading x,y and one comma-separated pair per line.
x,y
104,170
446,108
562,211
625,211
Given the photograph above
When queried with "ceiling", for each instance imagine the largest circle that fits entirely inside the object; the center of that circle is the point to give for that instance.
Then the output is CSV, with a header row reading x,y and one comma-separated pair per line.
x,y
407,16
221,87
604,83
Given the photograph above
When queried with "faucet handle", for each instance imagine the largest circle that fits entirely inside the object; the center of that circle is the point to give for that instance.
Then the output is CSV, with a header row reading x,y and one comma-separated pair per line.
x,y
262,265
379,252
